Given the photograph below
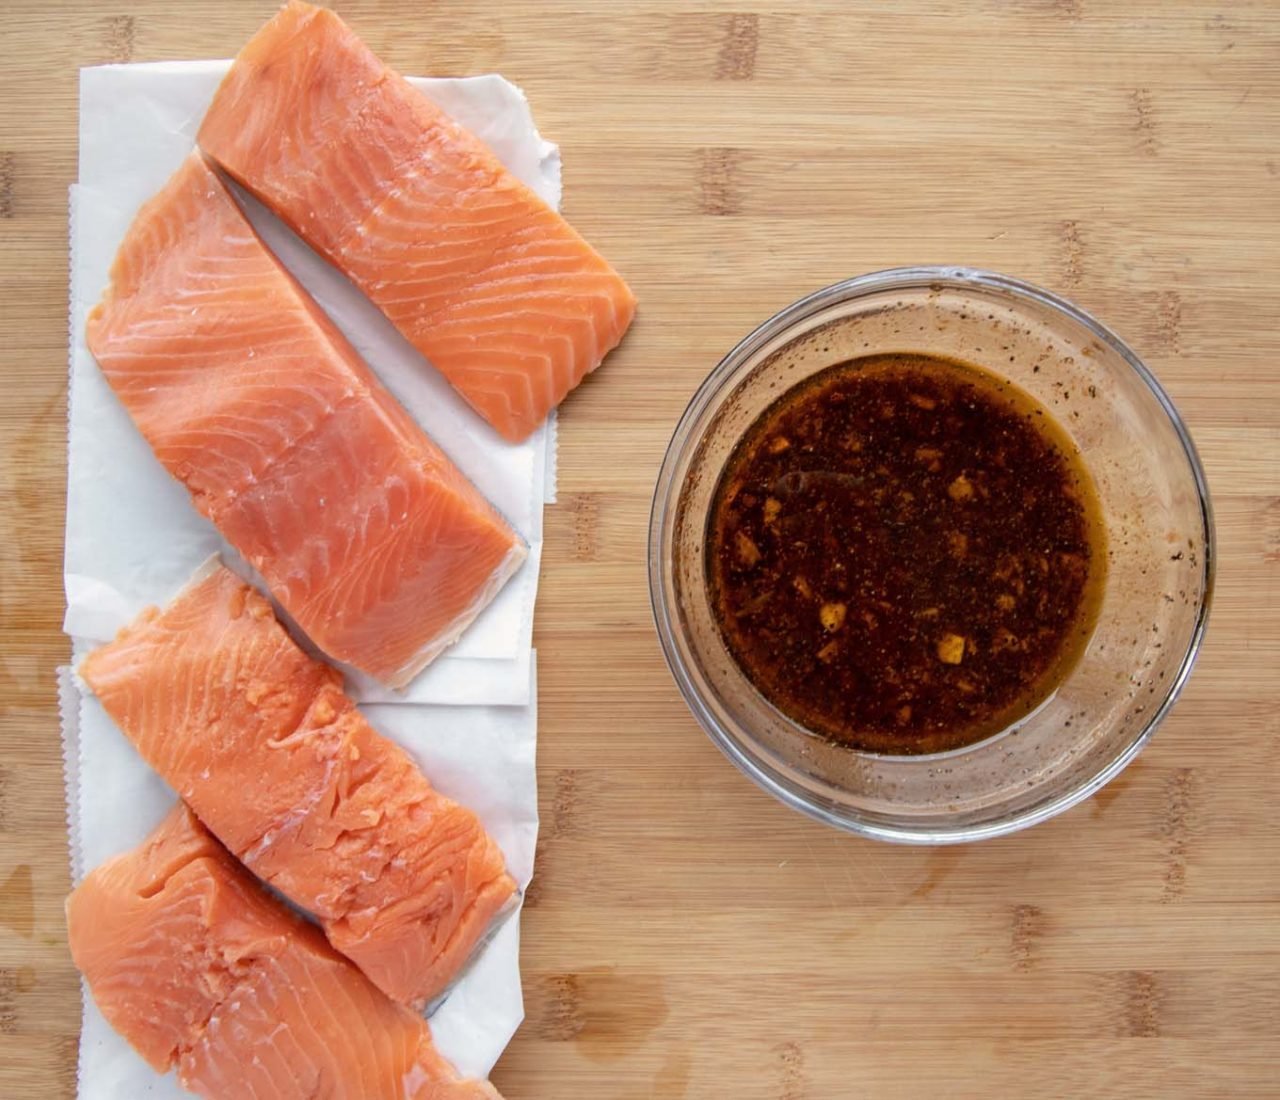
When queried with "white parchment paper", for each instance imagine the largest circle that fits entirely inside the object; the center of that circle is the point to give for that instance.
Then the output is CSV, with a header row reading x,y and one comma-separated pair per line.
x,y
133,539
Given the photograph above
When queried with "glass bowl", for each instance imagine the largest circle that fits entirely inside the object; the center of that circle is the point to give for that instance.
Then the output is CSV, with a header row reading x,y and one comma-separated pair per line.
x,y
1159,581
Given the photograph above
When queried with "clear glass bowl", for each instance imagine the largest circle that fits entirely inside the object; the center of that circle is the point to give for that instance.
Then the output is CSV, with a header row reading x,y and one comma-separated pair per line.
x,y
1160,556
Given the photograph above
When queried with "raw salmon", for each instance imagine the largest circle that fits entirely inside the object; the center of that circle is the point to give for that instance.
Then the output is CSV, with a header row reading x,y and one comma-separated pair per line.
x,y
369,536
198,967
276,760
477,272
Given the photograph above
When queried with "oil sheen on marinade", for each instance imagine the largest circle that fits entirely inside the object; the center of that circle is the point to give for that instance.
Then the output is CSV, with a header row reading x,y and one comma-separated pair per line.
x,y
906,554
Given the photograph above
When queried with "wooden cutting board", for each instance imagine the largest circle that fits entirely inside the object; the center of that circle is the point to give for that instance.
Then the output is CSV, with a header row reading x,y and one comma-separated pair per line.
x,y
686,936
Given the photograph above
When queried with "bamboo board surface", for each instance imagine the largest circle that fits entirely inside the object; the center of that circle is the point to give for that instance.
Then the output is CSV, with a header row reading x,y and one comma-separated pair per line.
x,y
686,936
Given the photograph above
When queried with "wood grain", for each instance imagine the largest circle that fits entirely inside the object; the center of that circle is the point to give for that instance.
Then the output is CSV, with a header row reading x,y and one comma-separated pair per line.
x,y
688,937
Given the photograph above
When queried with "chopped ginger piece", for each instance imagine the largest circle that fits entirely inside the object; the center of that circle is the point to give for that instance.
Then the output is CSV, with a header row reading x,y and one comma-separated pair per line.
x,y
931,457
828,651
772,508
778,444
920,401
1005,602
832,616
802,586
748,551
961,489
951,649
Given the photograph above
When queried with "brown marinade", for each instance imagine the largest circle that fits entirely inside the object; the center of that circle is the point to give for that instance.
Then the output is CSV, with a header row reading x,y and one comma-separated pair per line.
x,y
906,554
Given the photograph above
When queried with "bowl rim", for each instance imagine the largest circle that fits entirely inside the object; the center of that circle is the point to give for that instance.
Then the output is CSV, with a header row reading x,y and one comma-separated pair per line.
x,y
959,277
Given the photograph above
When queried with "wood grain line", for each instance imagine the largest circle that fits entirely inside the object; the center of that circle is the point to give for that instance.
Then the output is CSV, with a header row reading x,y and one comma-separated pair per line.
x,y
564,804
1141,1004
1067,11
1144,124
1169,313
8,1001
7,166
1175,827
791,1062
1073,252
737,57
17,902
719,189
1271,531
1026,929
558,1018
121,37
584,512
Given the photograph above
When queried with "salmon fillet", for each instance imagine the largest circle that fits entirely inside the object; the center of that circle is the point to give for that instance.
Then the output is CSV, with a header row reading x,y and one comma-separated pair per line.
x,y
370,537
276,760
478,273
198,967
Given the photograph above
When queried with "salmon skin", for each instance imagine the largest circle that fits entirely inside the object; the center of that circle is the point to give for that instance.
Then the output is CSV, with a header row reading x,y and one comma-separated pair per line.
x,y
260,740
477,272
198,967
366,533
